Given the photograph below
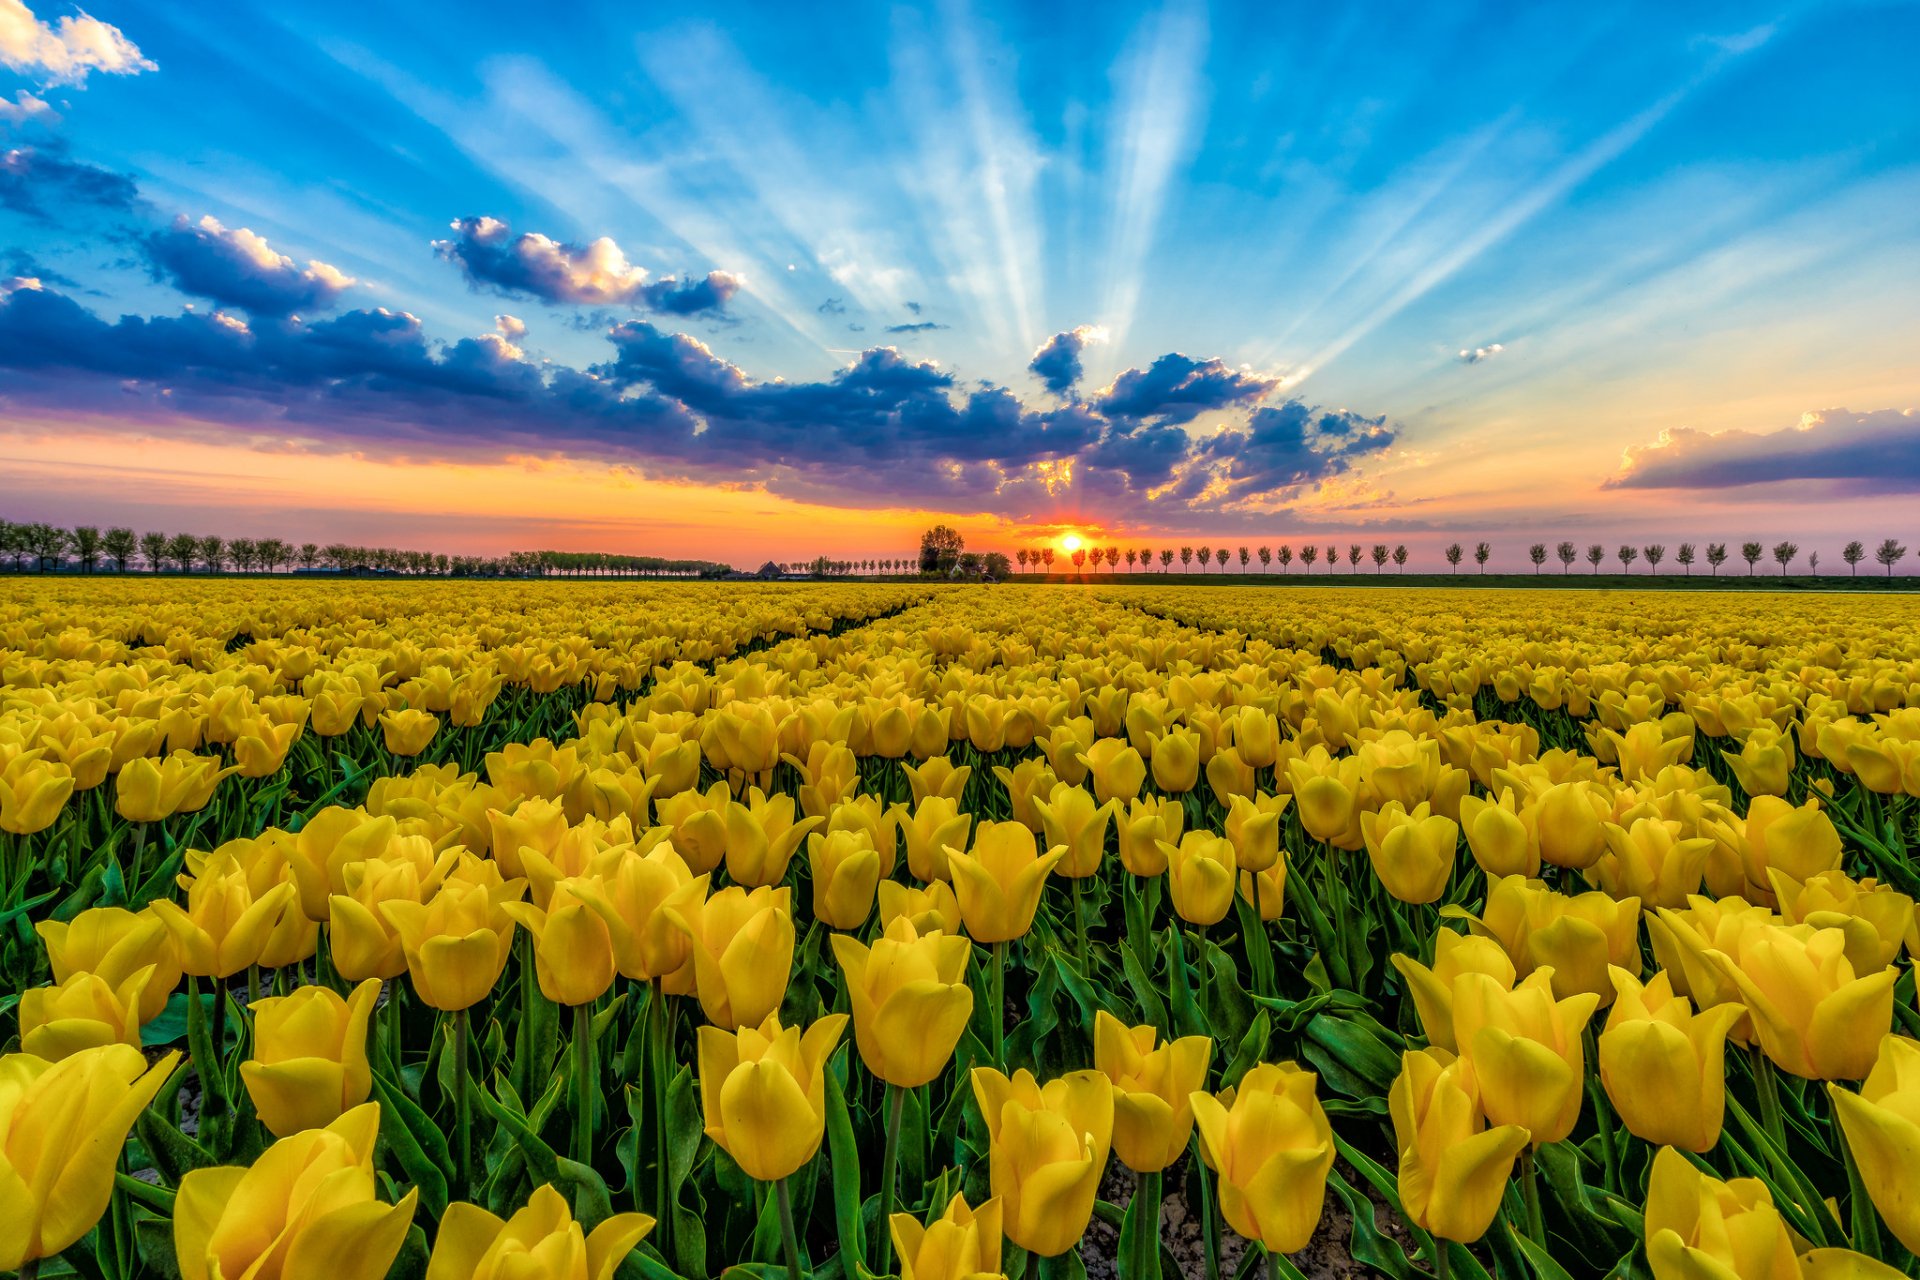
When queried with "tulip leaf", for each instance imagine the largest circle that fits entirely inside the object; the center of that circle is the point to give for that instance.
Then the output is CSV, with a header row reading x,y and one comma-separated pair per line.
x,y
1063,1266
1253,1047
1544,1267
173,1153
1229,1011
1349,1057
1187,1018
592,1203
684,1129
1140,1231
844,1153
1366,1241
411,1262
1152,1007
405,1132
153,1238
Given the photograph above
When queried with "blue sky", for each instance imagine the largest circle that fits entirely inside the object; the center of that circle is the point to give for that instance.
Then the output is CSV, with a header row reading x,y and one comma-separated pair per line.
x,y
1470,262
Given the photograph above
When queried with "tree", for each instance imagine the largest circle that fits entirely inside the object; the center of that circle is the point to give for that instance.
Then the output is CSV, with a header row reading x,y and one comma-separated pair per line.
x,y
1627,556
1595,554
1751,553
1113,558
1400,557
1186,557
1538,554
183,549
1266,559
1080,560
48,544
1716,556
1567,556
1220,558
1685,556
1333,557
213,552
1654,553
1855,552
1021,556
1813,564
1308,554
1379,554
153,548
1166,558
940,549
995,567
1206,554
241,552
1354,552
119,544
1046,555
1146,557
13,542
1454,553
1285,556
1783,554
1244,557
309,555
86,545
1481,554
1132,556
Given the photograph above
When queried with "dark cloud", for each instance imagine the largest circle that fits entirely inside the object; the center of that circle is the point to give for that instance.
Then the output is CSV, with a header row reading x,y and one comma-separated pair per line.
x,y
236,268
1178,388
832,307
1057,364
18,263
43,183
1877,451
531,265
925,326
1285,446
914,307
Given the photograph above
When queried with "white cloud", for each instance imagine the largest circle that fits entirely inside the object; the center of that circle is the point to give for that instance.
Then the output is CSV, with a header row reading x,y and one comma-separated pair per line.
x,y
1479,355
25,107
512,328
67,51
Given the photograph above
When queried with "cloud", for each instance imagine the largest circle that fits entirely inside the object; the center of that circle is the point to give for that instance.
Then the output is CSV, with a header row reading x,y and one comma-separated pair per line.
x,y
832,307
68,51
41,183
237,268
512,328
597,274
1057,364
19,264
1285,446
914,307
1480,355
925,326
1877,451
24,109
1178,388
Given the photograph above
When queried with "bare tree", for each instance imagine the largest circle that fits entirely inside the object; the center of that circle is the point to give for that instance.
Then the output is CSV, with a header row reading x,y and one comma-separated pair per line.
x,y
1380,554
1354,552
1567,556
1813,564
1685,556
1538,554
1783,554
1482,552
1595,554
1627,556
1854,553
1889,554
1454,553
1655,553
1400,557
1716,556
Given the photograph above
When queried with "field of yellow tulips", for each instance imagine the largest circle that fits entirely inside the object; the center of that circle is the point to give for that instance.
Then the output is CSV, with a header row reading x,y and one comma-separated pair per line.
x,y
574,930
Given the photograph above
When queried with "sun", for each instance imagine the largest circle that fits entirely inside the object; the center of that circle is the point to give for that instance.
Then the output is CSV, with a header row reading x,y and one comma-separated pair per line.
x,y
1071,542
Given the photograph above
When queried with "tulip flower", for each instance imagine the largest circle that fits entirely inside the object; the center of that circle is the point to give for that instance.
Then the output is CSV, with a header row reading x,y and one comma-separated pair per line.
x,y
1118,770
1069,817
1800,842
1454,954
541,1241
1047,1149
1683,943
1229,776
742,945
33,791
1764,763
261,748
1412,851
223,928
1326,795
1567,819
998,884
1453,1168
148,790
962,1242
62,1125
407,731
364,943
910,1000
762,837
1882,1127
113,944
1141,829
1500,835
1663,1065
845,869
1200,877
81,1013
934,824
1253,825
1697,1225
1576,937
1271,1146
1026,782
636,901
1814,1017
762,1091
1526,1050
456,942
1175,761
1877,919
306,1210
572,945
535,823
937,776
309,1064
698,825
330,842
1152,1090
1649,860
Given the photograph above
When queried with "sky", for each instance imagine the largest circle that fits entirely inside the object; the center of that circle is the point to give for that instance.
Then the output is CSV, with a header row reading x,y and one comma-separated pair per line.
x,y
751,281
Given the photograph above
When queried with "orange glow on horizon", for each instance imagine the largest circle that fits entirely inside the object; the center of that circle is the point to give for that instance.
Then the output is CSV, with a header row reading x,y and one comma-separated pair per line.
x,y
1071,543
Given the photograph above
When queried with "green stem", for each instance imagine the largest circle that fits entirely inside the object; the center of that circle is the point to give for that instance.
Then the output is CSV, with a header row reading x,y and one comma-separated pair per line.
x,y
1263,972
889,1165
999,1012
1769,1090
1079,931
1146,1261
1442,1260
1209,1227
462,1106
1530,1194
1602,1113
583,1083
787,1236
1866,1227
660,1049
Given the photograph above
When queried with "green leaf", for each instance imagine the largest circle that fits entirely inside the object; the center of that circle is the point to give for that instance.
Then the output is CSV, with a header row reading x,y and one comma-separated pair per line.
x,y
173,1153
844,1153
1140,1231
153,1238
1367,1242
1187,1017
1152,1007
1349,1057
1253,1047
1544,1267
400,1133
684,1129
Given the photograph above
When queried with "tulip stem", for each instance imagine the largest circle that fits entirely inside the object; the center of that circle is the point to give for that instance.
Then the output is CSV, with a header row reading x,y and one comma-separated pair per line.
x,y
462,1108
1080,931
1146,1261
1602,1113
1530,1194
1442,1262
1769,1090
999,992
787,1236
583,1083
896,1100
660,1051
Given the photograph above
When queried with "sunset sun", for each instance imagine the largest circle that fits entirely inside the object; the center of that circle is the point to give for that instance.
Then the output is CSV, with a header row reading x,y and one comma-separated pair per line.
x,y
1071,543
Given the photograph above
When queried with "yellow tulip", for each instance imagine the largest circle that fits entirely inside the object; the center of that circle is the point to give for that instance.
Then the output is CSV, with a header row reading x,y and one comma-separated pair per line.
x,y
1699,1226
1412,852
1801,842
1269,1141
1069,817
1526,1050
223,928
864,816
937,776
1500,835
910,1000
1764,763
635,900
762,837
1176,760
1200,876
763,1092
1229,776
1066,745
62,1125
1647,747
1118,770
1814,1017
81,1013
1152,1089
998,884
541,1241
1567,819
933,824
1266,891
1882,1127
1454,954
364,944
306,1210
1026,782
698,825
1651,861
33,792
933,907
309,1064
1663,1065
261,749
1141,829
1326,795
1576,937
1885,766
742,944
456,942
535,823
1877,918
1047,1149
330,842
572,945
148,790
845,869
1256,734
1684,940
407,731
963,1242
1253,825
1453,1168
113,944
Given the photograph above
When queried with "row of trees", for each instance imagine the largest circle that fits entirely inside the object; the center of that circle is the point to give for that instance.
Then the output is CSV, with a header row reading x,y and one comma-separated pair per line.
x,y
89,549
1889,553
